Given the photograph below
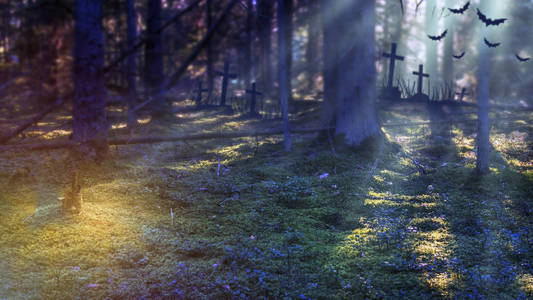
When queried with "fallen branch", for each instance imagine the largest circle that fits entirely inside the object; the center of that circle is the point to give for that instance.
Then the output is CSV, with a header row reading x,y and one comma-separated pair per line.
x,y
181,70
145,40
30,122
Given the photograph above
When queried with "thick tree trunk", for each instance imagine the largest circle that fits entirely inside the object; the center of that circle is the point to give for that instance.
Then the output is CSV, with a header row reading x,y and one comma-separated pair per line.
x,y
284,78
131,63
265,33
89,123
89,120
154,54
356,75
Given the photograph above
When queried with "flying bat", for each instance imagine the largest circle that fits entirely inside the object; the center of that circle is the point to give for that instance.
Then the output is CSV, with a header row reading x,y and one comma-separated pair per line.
x,y
522,59
459,56
460,10
489,21
439,37
491,45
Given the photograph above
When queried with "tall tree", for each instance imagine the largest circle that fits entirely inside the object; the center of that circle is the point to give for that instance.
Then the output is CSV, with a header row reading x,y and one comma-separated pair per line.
x,y
432,27
209,50
353,23
131,63
283,72
89,119
313,33
265,35
89,91
483,94
288,12
330,66
447,60
154,53
248,43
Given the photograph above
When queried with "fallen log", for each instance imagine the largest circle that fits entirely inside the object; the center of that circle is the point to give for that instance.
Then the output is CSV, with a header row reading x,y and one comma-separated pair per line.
x,y
157,139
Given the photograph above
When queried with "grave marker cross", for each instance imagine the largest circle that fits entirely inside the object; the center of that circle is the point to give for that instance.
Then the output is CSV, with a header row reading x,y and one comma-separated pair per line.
x,y
225,76
393,57
199,92
421,76
462,94
253,93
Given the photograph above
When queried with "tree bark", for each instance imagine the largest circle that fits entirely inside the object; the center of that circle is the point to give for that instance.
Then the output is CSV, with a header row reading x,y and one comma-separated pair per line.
x,y
447,61
330,67
131,63
265,32
356,118
313,32
483,94
209,52
284,79
287,32
154,54
248,46
89,121
432,27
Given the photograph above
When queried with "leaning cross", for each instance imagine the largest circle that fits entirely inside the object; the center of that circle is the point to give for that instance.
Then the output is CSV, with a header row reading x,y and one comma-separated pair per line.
x,y
462,94
199,92
421,76
253,93
225,76
393,57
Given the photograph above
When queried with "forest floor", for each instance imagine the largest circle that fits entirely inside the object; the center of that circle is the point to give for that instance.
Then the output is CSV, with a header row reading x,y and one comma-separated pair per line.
x,y
402,217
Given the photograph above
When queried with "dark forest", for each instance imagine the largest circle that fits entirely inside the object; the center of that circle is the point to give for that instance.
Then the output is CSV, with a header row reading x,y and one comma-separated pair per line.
x,y
266,149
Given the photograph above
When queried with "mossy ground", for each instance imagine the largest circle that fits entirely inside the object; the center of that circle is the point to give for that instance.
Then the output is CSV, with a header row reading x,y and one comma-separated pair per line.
x,y
266,224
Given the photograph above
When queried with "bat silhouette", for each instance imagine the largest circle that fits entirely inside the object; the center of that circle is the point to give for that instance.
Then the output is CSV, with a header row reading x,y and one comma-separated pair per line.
x,y
438,37
460,10
489,21
522,59
459,56
491,45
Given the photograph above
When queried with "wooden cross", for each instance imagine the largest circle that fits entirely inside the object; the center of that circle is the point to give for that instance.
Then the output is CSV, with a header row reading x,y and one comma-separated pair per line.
x,y
225,76
393,57
253,93
421,76
462,94
199,92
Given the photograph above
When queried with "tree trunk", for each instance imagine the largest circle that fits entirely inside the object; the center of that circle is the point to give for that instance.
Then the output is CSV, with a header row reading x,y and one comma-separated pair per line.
x,y
288,11
284,78
131,63
483,95
432,27
447,61
209,52
89,119
248,45
265,32
313,29
330,66
154,54
89,123
356,74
